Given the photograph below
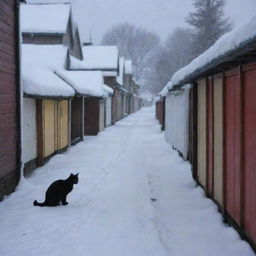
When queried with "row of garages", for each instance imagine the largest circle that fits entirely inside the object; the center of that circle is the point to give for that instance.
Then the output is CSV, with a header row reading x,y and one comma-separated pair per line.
x,y
54,91
208,112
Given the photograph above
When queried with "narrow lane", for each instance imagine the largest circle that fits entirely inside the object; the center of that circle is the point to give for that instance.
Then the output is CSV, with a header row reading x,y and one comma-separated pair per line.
x,y
135,197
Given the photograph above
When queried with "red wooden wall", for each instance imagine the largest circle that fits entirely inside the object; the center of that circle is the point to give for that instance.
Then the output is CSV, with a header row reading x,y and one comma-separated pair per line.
x,y
249,171
232,142
9,133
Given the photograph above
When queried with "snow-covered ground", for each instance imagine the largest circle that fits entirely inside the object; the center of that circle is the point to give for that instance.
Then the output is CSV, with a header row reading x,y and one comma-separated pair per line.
x,y
110,211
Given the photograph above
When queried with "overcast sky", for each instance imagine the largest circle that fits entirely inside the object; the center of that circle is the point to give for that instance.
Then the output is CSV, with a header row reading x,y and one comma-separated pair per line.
x,y
161,16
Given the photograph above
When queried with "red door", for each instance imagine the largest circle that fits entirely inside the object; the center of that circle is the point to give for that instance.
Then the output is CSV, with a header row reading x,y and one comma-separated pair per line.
x,y
232,142
209,137
250,150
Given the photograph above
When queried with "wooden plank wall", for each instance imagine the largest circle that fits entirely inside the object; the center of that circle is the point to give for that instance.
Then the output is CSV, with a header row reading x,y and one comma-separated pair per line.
x,y
218,140
9,117
232,141
91,116
63,125
49,127
209,136
249,151
76,118
201,132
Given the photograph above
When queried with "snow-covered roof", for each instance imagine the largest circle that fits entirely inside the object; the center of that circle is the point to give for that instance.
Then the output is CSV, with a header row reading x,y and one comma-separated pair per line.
x,y
43,82
128,67
164,91
108,90
225,46
88,83
44,18
97,58
120,78
38,65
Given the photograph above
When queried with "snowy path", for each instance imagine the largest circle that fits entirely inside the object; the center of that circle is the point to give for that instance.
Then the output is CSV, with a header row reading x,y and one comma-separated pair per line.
x,y
110,211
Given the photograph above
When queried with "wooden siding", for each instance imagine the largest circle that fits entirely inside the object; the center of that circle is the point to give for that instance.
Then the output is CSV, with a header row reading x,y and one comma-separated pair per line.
x,y
218,140
249,76
76,119
209,137
49,127
232,141
91,116
52,127
201,132
102,116
9,110
192,148
119,105
63,125
42,39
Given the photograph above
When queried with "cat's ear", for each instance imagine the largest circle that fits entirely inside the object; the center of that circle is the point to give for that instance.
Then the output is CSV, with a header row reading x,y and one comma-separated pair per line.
x,y
77,174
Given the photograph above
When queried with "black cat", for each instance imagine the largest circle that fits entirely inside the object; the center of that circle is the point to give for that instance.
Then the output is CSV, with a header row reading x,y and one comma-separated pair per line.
x,y
58,191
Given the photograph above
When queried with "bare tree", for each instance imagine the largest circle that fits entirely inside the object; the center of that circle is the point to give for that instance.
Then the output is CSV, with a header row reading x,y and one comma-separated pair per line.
x,y
208,22
133,42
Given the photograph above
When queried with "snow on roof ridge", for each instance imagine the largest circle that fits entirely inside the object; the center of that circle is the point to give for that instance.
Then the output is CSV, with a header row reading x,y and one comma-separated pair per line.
x,y
226,44
42,18
38,65
43,82
108,89
99,57
84,82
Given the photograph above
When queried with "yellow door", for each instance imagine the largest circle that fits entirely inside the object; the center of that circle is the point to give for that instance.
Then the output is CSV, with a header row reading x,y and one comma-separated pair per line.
x,y
63,113
49,129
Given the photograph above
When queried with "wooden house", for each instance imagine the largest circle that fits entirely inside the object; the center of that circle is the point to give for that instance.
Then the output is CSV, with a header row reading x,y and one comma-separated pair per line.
x,y
41,25
46,105
222,134
10,150
48,28
48,42
90,88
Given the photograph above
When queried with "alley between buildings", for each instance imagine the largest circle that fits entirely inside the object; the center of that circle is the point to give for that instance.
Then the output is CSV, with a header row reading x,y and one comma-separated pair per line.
x,y
135,197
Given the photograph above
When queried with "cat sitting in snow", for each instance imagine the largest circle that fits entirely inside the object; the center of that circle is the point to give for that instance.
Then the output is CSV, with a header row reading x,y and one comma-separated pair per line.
x,y
58,191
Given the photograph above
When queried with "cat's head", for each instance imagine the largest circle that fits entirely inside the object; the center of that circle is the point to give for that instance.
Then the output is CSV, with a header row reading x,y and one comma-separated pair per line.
x,y
74,178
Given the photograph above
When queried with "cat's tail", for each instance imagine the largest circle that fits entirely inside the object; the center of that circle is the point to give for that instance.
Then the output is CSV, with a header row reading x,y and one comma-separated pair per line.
x,y
38,204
